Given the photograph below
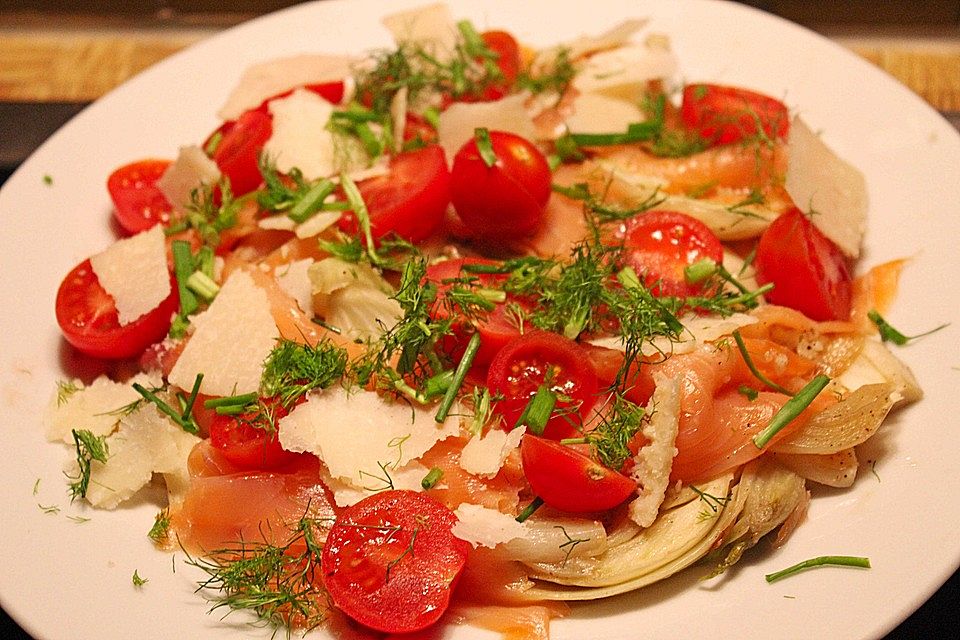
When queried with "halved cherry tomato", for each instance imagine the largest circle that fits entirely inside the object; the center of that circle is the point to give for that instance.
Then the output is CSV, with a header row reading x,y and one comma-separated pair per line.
x,y
661,244
332,92
239,148
566,479
723,115
410,201
496,328
138,203
808,271
88,318
508,61
250,440
539,357
391,562
506,199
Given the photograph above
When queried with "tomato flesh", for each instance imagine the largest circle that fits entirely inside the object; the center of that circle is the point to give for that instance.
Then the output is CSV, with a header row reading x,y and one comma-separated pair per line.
x,y
507,49
660,245
808,271
410,201
391,562
505,199
88,318
138,203
566,479
249,441
539,357
239,148
724,115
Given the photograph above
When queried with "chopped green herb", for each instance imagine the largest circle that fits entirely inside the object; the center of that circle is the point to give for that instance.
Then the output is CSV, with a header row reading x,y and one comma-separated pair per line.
x,y
741,345
791,409
137,580
890,334
47,179
160,531
89,448
485,146
834,561
432,478
530,509
292,369
538,410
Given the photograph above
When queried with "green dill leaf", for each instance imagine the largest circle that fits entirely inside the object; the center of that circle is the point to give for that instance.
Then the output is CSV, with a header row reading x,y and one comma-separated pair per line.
x,y
293,369
889,334
89,448
137,580
160,531
47,179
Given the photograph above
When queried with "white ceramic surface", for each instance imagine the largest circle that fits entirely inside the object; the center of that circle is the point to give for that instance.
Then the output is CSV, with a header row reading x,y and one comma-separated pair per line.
x,y
62,579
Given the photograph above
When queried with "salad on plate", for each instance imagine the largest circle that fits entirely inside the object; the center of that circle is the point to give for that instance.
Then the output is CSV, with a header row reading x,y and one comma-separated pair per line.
x,y
463,331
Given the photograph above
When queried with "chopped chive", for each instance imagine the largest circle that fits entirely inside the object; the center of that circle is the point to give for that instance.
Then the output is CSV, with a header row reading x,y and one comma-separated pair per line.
x,y
458,376
530,509
492,295
432,116
834,561
182,270
791,409
213,143
360,210
749,392
700,270
485,146
188,405
753,368
432,478
231,401
889,334
311,202
187,424
437,385
47,179
636,132
538,410
203,285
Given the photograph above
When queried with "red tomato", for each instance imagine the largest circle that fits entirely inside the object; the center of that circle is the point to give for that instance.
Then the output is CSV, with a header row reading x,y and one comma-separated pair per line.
x,y
722,115
410,201
661,244
496,328
808,271
138,203
571,481
507,199
508,61
332,92
250,441
239,148
88,318
390,561
525,363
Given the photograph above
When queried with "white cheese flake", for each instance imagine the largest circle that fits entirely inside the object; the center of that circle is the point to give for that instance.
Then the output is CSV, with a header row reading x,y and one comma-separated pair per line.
x,y
293,279
133,271
232,339
356,432
300,138
652,464
623,72
485,455
485,527
430,27
346,494
458,122
597,113
97,408
190,171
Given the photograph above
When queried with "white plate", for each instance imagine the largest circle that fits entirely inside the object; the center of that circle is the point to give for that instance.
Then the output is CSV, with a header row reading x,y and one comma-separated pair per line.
x,y
64,579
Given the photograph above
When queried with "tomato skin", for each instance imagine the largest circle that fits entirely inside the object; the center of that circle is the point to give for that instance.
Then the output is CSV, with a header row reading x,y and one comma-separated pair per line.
x,y
410,201
241,143
508,61
506,199
406,533
808,271
247,443
661,244
724,115
521,366
568,480
138,203
496,328
88,318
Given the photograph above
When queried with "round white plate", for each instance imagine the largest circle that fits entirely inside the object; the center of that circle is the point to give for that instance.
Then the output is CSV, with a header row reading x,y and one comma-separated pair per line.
x,y
62,578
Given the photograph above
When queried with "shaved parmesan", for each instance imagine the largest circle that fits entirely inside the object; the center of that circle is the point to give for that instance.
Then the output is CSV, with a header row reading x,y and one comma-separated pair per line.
x,y
232,339
624,71
271,78
356,432
430,27
346,494
133,271
483,456
146,442
293,279
485,527
190,171
820,181
616,36
459,120
653,462
318,223
96,408
596,113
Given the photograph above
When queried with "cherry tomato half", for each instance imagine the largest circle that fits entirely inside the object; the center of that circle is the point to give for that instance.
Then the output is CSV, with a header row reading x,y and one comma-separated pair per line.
x,y
569,480
138,203
539,357
88,318
239,148
723,115
506,199
409,201
661,244
250,440
496,327
508,61
808,271
391,562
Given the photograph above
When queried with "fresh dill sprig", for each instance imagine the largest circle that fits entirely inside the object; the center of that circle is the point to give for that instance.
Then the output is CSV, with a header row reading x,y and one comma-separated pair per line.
x,y
570,544
65,390
212,210
292,369
137,580
889,334
617,426
713,504
160,531
89,448
554,76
